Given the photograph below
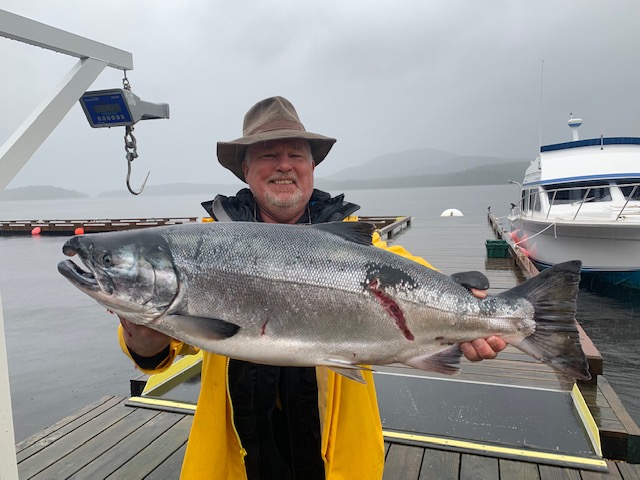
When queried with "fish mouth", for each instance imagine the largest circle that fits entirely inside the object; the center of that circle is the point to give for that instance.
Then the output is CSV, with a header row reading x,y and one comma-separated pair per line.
x,y
79,277
83,279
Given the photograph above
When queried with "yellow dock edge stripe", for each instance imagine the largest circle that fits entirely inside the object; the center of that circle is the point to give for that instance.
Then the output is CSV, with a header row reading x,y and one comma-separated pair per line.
x,y
445,442
156,402
159,378
587,418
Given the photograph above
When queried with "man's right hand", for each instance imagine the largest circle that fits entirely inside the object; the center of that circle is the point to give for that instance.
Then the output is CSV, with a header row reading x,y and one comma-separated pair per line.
x,y
143,341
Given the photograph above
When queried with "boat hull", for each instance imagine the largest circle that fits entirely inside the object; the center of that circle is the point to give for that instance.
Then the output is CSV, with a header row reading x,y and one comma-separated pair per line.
x,y
610,252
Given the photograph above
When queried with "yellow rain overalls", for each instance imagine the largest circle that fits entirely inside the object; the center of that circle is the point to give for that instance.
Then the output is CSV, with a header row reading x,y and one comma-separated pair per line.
x,y
352,443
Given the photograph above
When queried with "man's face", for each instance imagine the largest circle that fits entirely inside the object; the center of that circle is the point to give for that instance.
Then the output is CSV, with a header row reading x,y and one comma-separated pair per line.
x,y
280,176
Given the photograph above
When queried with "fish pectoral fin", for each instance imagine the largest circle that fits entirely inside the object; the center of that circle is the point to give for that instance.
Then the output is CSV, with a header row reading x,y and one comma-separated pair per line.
x,y
354,372
445,361
202,327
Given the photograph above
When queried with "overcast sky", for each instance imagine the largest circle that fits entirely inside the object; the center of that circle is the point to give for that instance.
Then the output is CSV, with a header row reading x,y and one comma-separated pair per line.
x,y
381,76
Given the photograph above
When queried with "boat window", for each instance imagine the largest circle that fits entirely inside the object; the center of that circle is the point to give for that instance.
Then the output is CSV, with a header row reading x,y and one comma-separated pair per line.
x,y
530,200
563,193
535,201
630,189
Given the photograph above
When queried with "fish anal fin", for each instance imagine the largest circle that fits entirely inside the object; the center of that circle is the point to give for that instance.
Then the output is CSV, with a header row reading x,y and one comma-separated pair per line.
x,y
349,373
202,327
445,361
353,372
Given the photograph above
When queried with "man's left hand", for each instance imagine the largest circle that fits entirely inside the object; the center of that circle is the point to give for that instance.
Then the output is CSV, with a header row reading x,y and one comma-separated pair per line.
x,y
482,348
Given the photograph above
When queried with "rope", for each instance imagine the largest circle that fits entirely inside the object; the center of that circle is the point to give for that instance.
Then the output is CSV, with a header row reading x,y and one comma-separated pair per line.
x,y
555,234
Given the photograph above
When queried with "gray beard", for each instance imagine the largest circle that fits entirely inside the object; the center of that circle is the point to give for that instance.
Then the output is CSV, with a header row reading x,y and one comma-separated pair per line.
x,y
292,201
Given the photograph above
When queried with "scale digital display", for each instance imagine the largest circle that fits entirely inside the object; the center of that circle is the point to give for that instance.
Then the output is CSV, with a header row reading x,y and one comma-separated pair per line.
x,y
107,108
119,107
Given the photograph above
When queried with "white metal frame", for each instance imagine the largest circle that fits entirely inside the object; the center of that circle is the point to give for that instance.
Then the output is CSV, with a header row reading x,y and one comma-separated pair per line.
x,y
93,57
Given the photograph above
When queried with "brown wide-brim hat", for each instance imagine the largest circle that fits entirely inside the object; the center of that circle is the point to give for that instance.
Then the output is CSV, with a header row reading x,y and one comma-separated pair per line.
x,y
273,118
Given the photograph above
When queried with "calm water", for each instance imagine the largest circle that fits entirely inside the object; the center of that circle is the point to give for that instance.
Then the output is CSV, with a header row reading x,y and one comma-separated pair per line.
x,y
62,347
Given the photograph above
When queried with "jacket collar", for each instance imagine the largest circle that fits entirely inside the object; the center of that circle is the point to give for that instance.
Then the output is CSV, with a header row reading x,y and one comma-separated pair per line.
x,y
241,207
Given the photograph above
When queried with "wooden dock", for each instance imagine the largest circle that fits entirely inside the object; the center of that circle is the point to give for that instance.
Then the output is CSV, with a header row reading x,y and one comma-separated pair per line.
x,y
70,227
387,226
111,440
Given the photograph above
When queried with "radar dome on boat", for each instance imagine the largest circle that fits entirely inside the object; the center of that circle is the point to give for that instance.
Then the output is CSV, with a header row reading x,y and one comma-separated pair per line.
x,y
451,212
574,123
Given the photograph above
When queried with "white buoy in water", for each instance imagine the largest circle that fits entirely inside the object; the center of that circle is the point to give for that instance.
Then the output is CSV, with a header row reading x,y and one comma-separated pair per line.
x,y
451,212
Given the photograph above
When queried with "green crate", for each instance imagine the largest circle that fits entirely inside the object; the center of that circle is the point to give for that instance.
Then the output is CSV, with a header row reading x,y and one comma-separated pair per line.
x,y
497,249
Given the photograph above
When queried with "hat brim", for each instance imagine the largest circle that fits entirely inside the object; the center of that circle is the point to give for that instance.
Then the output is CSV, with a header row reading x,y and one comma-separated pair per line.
x,y
231,154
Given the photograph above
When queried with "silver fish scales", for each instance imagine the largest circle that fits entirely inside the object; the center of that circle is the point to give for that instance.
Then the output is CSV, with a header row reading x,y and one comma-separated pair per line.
x,y
316,295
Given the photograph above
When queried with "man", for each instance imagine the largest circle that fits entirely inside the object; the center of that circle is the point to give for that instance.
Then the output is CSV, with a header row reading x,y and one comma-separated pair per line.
x,y
266,422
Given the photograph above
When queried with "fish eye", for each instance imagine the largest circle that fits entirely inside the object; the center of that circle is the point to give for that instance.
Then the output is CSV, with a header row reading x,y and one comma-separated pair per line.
x,y
107,260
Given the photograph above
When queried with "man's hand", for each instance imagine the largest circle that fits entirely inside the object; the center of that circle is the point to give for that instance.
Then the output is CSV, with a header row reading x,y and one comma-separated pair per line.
x,y
482,348
143,341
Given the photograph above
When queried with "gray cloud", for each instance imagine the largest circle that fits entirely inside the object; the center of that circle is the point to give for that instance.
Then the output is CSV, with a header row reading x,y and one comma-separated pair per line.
x,y
382,77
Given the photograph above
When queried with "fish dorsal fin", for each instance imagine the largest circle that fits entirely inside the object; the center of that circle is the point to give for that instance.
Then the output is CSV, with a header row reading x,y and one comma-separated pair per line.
x,y
356,232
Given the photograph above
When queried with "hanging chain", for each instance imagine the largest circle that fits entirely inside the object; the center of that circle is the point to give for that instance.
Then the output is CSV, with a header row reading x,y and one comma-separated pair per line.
x,y
125,81
130,145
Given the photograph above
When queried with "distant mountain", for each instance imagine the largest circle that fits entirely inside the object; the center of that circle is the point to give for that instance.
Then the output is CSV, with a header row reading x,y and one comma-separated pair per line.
x,y
39,192
494,174
411,163
409,169
176,189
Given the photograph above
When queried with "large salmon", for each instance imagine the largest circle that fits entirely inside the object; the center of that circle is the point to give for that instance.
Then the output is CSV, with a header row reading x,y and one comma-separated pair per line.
x,y
316,295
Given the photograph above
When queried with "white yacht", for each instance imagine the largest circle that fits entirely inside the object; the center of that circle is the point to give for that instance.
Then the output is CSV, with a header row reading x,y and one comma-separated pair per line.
x,y
580,200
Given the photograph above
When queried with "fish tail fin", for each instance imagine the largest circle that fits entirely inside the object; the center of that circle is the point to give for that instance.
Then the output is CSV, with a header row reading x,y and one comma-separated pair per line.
x,y
556,340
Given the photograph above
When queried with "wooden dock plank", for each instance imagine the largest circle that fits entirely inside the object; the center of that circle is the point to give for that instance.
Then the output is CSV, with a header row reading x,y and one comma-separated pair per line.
x,y
550,472
36,442
402,461
58,447
618,407
170,468
514,470
156,452
476,467
129,444
614,473
440,464
96,447
629,472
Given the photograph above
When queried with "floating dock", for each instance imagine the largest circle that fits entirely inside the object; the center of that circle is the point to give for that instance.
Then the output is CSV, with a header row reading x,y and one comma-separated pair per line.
x,y
69,227
387,226
115,438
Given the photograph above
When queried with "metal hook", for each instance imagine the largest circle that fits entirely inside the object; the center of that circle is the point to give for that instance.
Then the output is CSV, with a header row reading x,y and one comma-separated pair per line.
x,y
131,147
129,179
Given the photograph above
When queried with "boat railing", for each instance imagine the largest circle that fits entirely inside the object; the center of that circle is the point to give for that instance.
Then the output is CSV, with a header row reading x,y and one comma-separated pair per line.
x,y
579,196
584,200
631,195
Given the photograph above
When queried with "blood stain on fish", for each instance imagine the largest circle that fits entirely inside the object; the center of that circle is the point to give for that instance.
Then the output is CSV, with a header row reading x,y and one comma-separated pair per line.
x,y
391,307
